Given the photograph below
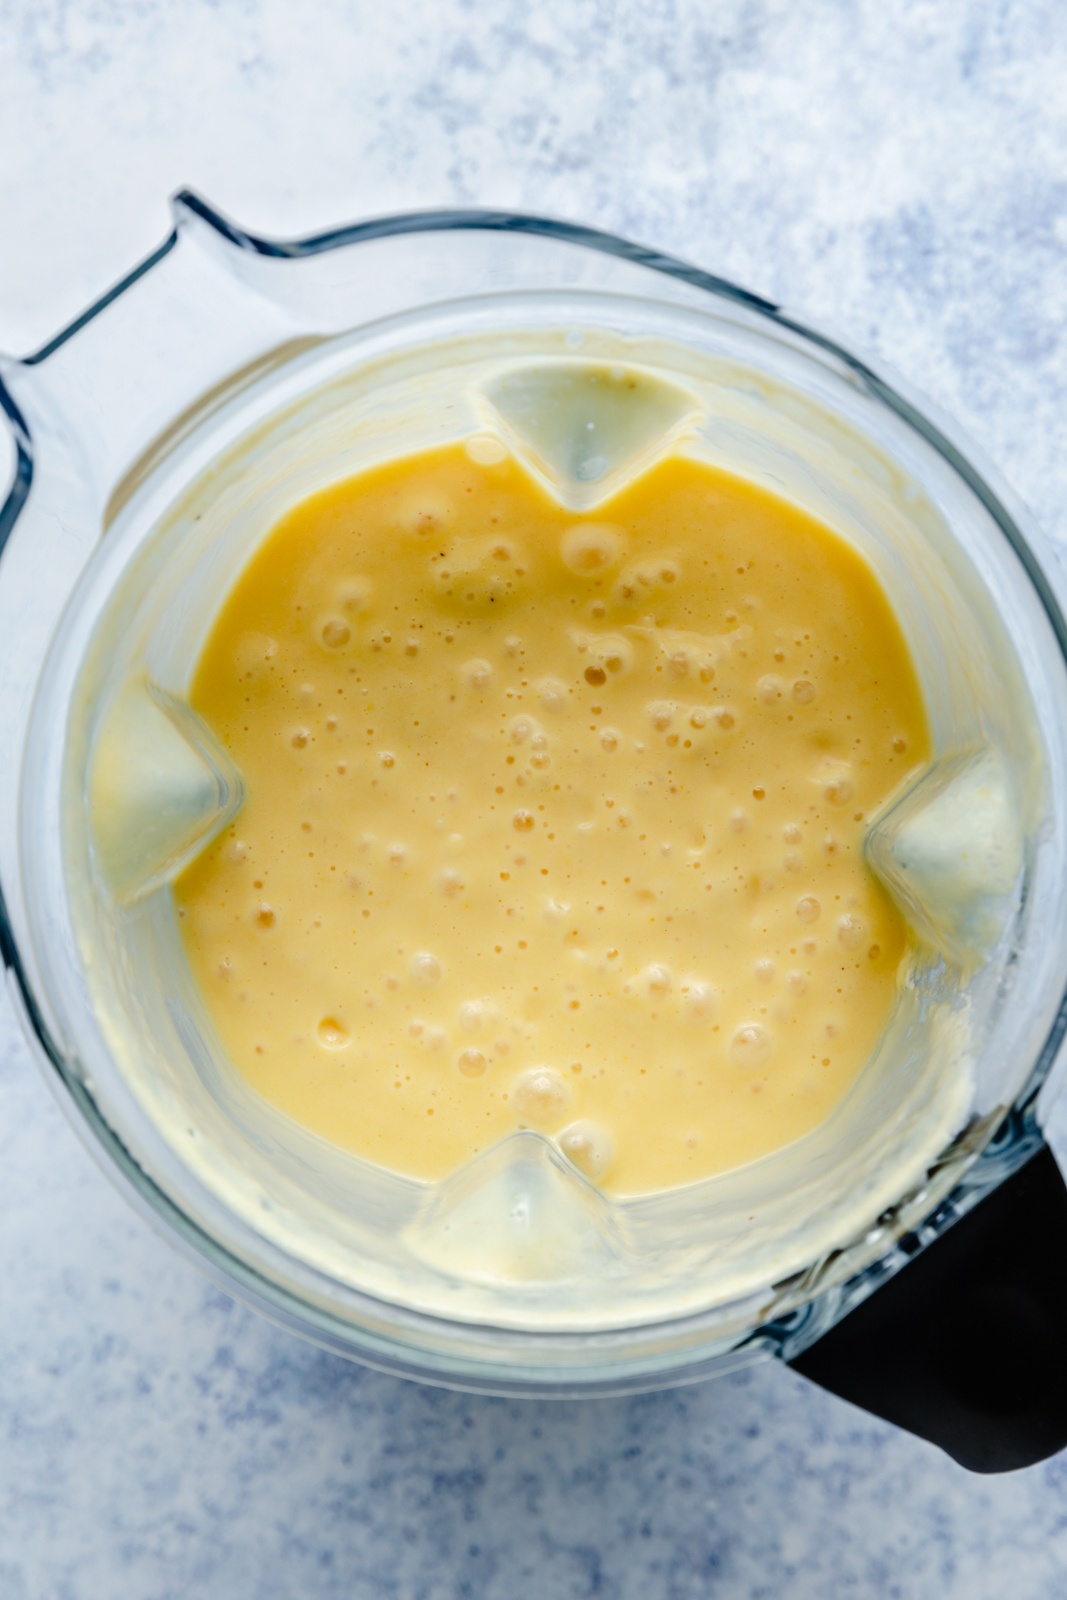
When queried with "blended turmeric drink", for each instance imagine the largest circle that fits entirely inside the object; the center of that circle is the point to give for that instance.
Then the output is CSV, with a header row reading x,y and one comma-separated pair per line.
x,y
552,821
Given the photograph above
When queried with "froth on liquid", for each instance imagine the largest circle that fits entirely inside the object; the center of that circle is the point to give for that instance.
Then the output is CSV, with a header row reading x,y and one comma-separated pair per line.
x,y
552,822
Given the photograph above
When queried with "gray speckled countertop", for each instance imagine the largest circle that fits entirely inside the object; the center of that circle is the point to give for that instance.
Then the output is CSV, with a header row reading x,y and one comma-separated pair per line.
x,y
896,169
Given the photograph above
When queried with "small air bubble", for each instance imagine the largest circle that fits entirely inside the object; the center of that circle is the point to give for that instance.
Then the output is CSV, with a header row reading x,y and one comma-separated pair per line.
x,y
333,1035
477,674
589,1147
750,1044
590,548
485,451
335,633
552,694
540,1096
472,1063
698,999
355,595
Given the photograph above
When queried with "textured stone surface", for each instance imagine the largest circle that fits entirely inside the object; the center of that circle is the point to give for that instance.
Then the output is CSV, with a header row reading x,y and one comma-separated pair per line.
x,y
898,172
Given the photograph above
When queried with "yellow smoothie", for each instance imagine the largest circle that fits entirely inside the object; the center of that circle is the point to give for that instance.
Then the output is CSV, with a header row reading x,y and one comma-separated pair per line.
x,y
552,821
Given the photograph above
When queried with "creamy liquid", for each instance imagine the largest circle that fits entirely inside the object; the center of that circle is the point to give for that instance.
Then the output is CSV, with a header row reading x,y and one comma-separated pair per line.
x,y
552,822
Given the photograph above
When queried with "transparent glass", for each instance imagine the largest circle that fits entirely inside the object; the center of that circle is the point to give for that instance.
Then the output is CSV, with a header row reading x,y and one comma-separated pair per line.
x,y
158,439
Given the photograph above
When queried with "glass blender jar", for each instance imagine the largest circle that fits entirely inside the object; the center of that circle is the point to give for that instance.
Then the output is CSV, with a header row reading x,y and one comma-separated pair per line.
x,y
157,440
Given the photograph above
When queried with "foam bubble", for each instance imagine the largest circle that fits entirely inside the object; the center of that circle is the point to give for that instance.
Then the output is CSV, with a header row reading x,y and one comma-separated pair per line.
x,y
835,780
750,1044
425,967
355,594
332,1035
474,1016
485,450
522,728
472,1063
590,548
808,908
589,1147
660,713
698,999
803,691
769,688
540,1096
655,980
476,673
424,510
851,931
552,694
335,633
450,883
764,970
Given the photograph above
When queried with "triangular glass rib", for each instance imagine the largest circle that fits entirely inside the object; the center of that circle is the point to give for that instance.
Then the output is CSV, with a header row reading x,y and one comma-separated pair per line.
x,y
519,1214
160,787
951,854
586,428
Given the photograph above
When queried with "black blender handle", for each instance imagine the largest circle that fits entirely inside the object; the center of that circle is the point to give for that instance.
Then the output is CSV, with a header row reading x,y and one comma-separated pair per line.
x,y
965,1346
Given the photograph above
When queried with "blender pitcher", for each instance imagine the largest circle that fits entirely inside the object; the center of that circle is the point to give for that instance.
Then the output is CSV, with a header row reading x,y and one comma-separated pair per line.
x,y
156,440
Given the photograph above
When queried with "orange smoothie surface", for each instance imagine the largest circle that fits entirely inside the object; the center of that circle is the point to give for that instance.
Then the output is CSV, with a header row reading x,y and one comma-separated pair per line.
x,y
552,821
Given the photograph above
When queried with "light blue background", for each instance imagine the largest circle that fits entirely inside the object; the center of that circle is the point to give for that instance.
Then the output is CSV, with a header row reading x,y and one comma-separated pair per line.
x,y
897,171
